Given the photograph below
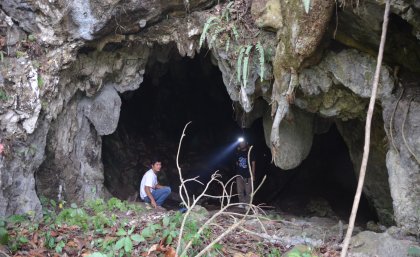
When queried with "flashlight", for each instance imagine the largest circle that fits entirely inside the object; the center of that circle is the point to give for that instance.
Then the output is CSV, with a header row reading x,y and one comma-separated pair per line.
x,y
241,139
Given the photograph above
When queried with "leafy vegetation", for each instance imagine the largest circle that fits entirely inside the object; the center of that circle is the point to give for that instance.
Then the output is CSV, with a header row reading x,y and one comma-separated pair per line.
x,y
99,228
223,32
3,95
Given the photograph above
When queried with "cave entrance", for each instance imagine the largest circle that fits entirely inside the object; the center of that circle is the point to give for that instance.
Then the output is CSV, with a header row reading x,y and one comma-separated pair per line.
x,y
323,185
175,91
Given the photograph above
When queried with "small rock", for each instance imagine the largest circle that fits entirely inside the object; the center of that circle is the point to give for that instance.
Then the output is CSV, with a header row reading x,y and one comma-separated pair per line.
x,y
369,243
298,250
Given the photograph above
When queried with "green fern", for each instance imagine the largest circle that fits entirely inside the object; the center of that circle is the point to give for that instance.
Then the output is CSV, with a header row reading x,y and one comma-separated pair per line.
x,y
235,32
239,63
227,44
245,65
226,13
261,59
215,34
209,23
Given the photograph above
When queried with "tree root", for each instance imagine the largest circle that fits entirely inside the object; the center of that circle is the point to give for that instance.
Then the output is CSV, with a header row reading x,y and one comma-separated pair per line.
x,y
403,134
391,122
283,104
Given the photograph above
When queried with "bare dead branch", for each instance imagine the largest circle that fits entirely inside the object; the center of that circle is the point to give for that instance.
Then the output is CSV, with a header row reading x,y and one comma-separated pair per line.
x,y
367,133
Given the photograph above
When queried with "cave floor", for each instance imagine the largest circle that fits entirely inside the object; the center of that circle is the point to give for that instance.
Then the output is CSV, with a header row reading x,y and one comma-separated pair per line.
x,y
76,231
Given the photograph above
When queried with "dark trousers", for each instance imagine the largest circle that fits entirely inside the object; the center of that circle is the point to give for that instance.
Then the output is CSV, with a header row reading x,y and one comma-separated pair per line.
x,y
244,189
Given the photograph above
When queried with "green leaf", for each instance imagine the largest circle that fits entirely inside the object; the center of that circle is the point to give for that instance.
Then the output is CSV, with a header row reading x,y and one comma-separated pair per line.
x,y
131,230
169,240
121,232
165,221
51,243
137,238
31,38
16,218
155,227
60,246
119,244
97,254
294,253
226,12
235,33
239,63
73,205
217,246
261,59
147,232
165,233
206,28
53,203
20,54
40,81
306,5
306,255
23,240
227,45
128,245
245,66
4,236
174,233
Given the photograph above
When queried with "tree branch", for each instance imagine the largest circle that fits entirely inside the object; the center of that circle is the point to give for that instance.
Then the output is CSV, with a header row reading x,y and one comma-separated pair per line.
x,y
367,134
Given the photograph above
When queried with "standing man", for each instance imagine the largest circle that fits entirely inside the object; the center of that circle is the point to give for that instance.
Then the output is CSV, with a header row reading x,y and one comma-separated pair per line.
x,y
150,190
243,181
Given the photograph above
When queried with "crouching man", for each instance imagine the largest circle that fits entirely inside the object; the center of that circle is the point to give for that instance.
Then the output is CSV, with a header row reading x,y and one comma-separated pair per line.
x,y
150,191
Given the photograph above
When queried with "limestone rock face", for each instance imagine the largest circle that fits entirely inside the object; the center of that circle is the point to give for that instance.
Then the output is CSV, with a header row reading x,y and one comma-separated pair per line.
x,y
336,86
20,97
87,19
17,181
356,70
73,157
369,243
267,14
360,28
402,160
376,187
295,134
103,111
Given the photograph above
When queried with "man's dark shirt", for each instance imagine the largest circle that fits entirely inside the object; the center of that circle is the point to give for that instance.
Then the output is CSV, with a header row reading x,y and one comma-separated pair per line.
x,y
242,163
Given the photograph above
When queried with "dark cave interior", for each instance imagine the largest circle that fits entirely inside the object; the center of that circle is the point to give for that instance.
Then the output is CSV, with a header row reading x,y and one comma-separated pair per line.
x,y
180,90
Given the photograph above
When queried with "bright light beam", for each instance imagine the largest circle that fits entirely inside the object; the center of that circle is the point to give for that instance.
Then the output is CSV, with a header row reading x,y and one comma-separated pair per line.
x,y
241,139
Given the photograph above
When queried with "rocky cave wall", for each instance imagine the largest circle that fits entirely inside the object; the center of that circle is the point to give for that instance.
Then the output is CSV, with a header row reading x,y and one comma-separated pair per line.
x,y
62,75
